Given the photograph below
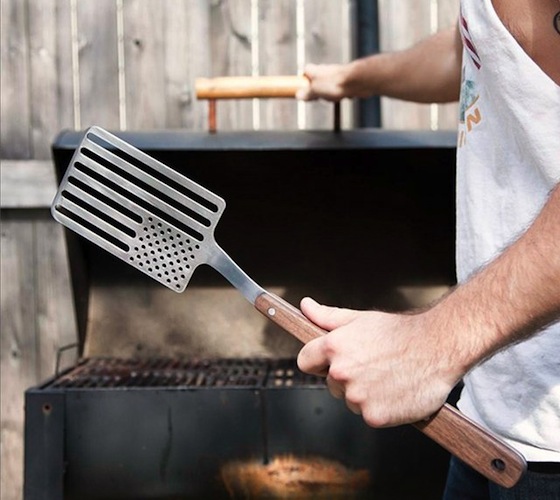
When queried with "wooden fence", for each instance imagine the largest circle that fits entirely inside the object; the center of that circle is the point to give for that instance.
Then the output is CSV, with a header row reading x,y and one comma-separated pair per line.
x,y
131,64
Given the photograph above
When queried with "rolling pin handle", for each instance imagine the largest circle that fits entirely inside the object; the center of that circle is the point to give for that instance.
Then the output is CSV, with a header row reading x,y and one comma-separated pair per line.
x,y
212,116
233,87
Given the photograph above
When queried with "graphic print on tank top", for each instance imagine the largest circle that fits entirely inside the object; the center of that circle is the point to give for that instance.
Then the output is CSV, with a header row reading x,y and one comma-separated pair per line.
x,y
470,114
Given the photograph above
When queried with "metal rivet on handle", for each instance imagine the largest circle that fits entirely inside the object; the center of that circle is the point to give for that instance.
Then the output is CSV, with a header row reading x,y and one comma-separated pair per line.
x,y
498,465
271,311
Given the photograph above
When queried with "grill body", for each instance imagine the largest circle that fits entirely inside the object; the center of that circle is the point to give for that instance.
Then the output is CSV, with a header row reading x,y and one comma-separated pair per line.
x,y
154,411
89,439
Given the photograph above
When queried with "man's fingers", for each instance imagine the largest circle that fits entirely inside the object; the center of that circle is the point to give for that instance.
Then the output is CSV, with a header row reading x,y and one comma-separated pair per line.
x,y
323,83
310,71
327,317
312,358
335,388
306,93
354,408
303,94
338,391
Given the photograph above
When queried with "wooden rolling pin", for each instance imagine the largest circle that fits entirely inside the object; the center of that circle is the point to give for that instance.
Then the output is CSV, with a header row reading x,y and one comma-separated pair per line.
x,y
252,87
249,87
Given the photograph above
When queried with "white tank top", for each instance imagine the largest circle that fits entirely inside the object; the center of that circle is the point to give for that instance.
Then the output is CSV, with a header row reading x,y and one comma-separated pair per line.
x,y
508,161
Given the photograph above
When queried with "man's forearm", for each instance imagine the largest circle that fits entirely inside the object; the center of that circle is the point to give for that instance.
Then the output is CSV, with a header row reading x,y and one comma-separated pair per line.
x,y
430,71
398,368
513,297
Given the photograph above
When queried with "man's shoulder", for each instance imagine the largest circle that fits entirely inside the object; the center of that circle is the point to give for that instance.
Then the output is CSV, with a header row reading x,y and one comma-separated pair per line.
x,y
531,23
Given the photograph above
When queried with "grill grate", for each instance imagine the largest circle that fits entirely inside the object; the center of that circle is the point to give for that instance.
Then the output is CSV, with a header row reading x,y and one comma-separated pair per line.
x,y
285,373
95,373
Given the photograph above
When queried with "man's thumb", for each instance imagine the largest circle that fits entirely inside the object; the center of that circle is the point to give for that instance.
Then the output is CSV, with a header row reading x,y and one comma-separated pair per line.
x,y
326,317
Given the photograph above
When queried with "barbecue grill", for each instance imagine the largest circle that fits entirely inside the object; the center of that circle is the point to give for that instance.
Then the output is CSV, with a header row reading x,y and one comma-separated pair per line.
x,y
171,388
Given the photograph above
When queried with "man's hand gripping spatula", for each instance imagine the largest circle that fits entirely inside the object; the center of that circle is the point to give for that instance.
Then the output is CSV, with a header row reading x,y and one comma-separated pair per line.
x,y
162,223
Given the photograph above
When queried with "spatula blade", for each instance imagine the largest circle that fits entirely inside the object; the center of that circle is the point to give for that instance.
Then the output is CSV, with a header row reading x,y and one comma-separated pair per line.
x,y
138,209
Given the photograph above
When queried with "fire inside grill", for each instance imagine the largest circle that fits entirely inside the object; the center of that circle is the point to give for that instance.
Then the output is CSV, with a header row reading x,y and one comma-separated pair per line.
x,y
166,372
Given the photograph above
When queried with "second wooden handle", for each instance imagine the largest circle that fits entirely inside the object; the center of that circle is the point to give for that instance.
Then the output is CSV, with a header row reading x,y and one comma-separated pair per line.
x,y
462,437
247,87
477,447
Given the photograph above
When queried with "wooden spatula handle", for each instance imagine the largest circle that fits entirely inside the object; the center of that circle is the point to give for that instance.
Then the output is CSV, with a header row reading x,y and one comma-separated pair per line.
x,y
474,445
247,87
288,317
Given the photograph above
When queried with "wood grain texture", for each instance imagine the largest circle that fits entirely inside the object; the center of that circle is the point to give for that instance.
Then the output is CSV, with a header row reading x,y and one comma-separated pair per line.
x,y
169,44
98,63
27,183
288,317
37,319
402,24
18,355
66,106
45,73
144,58
325,33
198,58
480,449
56,321
15,107
278,56
230,49
185,25
247,87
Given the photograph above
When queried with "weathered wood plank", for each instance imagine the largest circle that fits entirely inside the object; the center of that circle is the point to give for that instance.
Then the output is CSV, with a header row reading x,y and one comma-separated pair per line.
x,y
198,60
98,63
401,24
144,64
37,318
327,35
15,140
66,106
26,183
45,111
186,25
278,56
230,43
18,354
193,48
192,38
56,321
176,69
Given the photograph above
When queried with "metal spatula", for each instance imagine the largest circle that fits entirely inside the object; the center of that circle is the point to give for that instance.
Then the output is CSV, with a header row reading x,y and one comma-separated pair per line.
x,y
162,223
156,220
